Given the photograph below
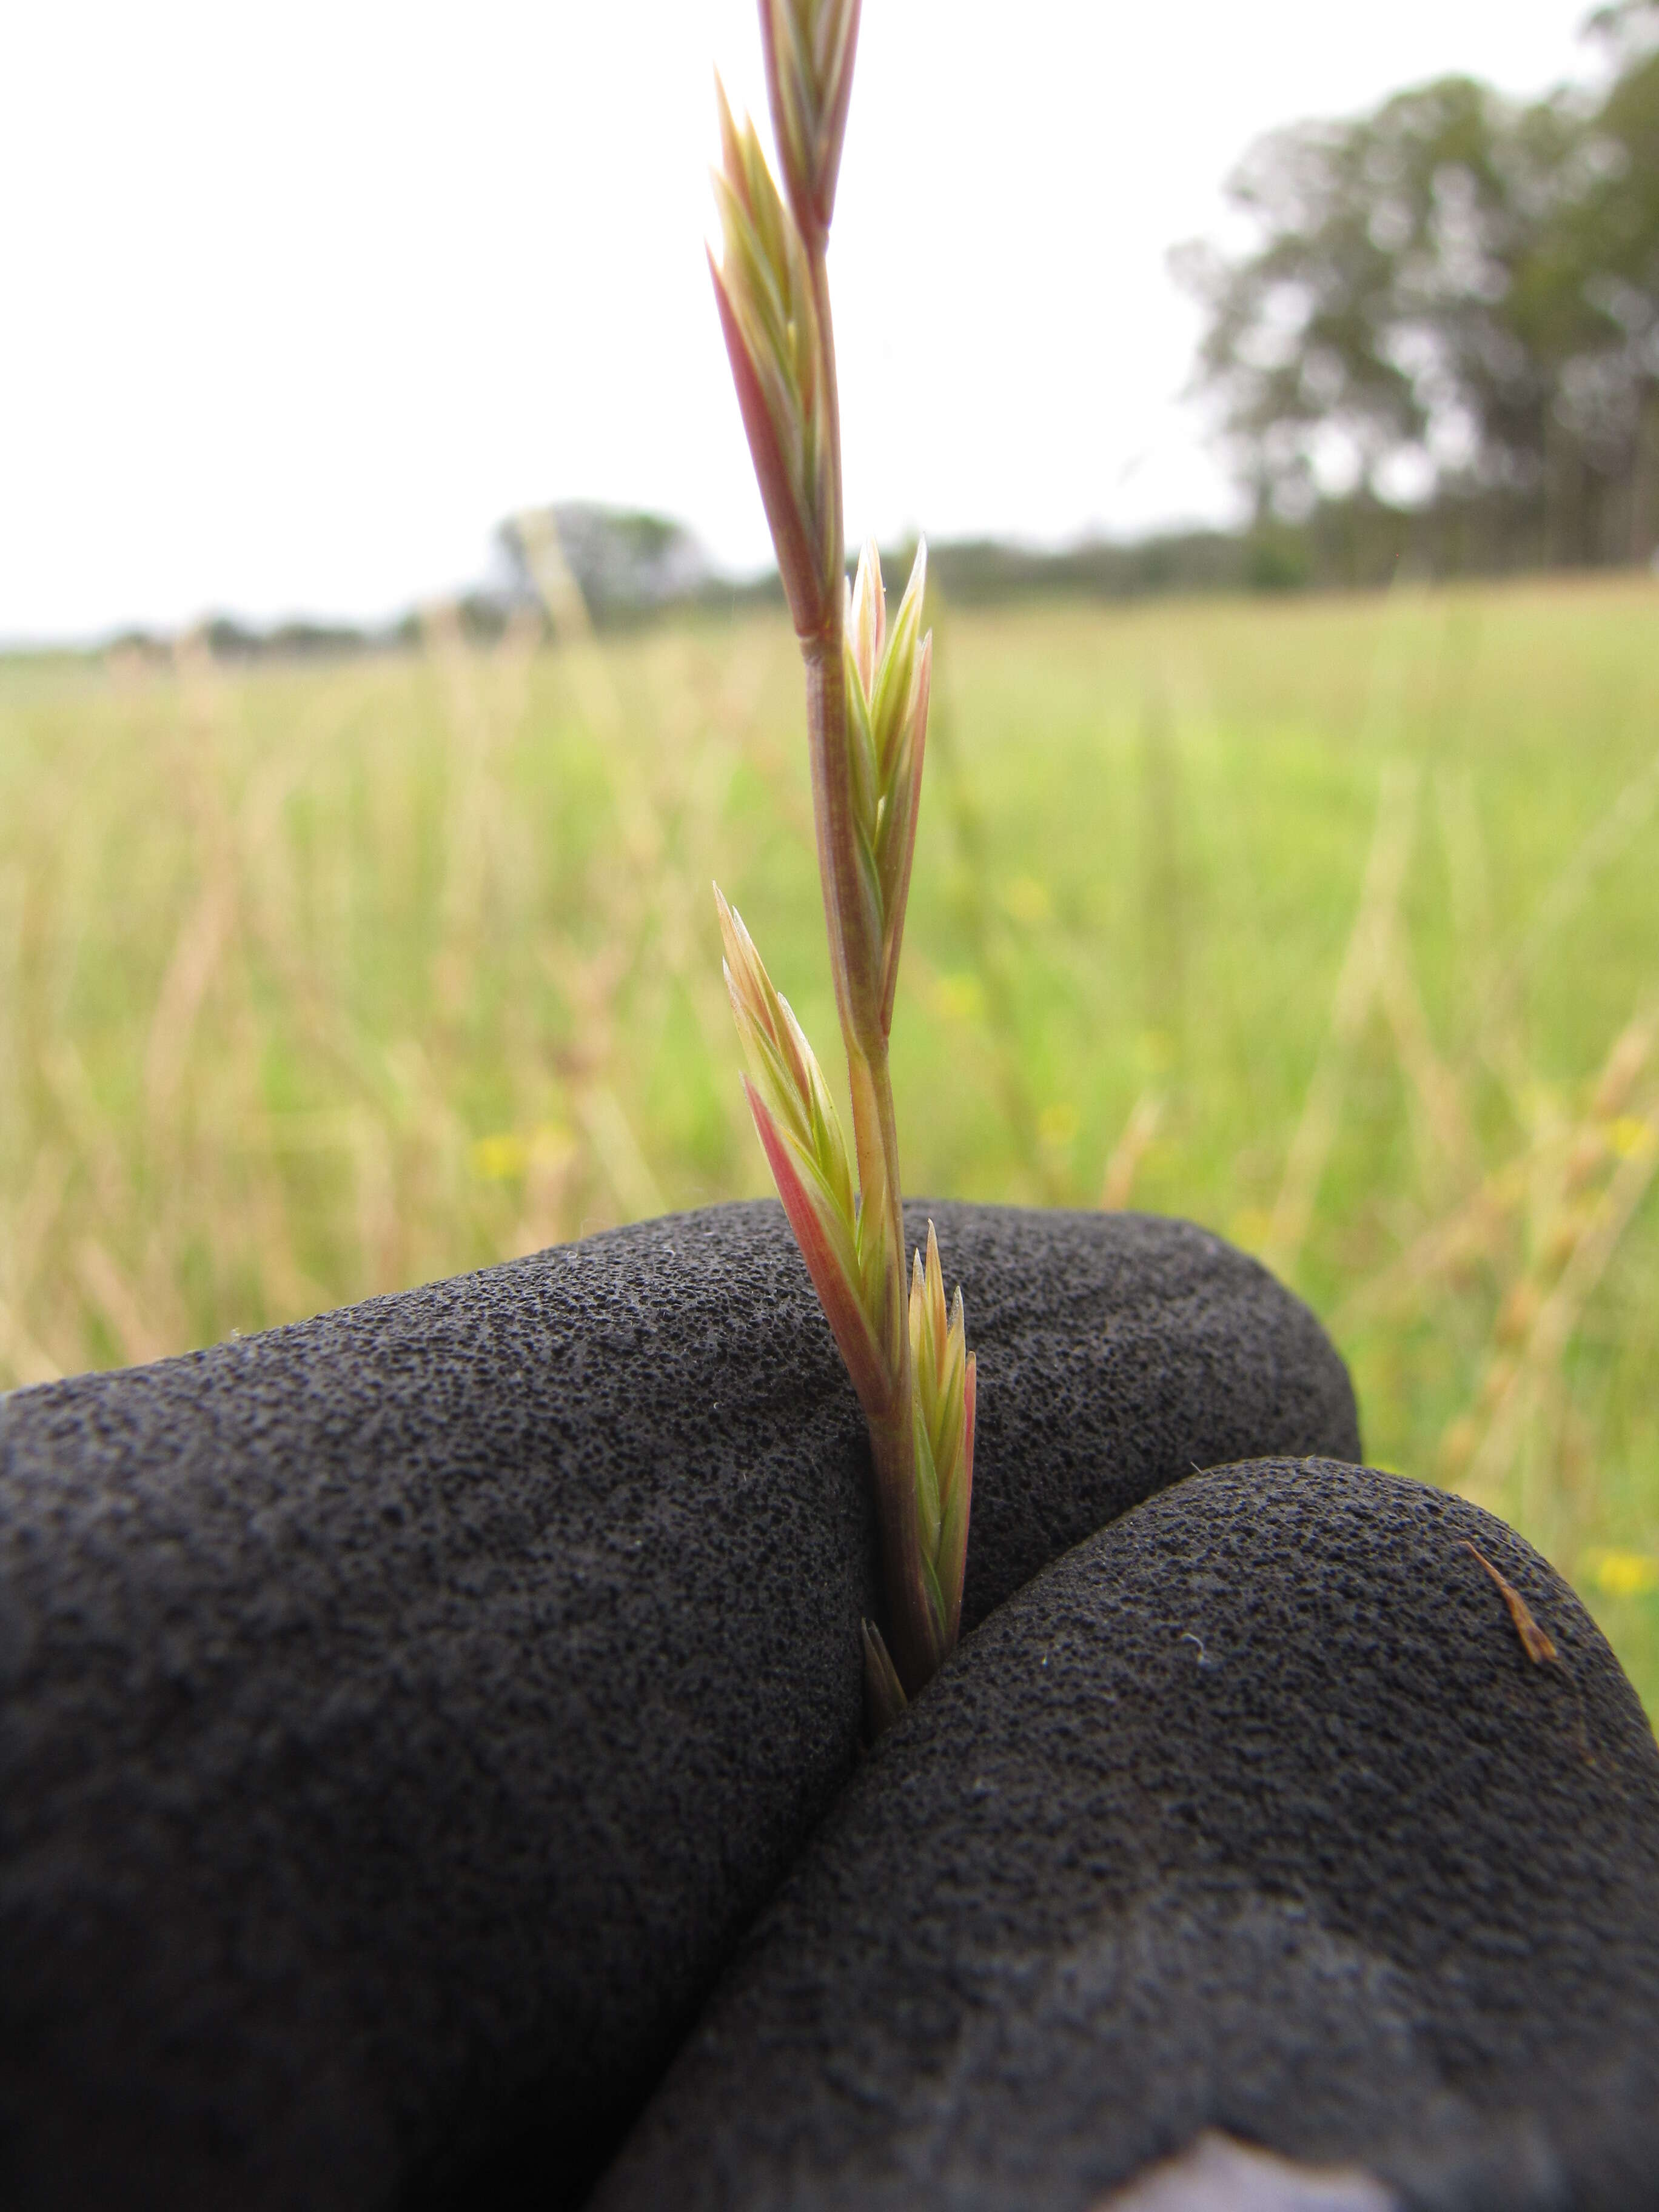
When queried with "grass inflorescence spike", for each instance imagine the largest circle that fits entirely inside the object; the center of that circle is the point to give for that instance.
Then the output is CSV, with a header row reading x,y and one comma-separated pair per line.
x,y
867,687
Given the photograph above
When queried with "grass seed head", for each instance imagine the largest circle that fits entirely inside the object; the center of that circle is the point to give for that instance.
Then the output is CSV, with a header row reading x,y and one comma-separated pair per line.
x,y
866,697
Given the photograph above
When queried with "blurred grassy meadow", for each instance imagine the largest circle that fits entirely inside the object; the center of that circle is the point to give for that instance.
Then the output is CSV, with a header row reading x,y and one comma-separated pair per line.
x,y
1330,922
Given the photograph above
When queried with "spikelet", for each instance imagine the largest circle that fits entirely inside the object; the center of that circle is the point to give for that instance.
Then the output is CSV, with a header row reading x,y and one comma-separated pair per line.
x,y
763,289
801,1135
889,682
810,46
943,1374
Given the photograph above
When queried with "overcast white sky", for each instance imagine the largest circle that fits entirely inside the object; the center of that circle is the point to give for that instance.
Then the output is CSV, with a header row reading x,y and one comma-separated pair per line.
x,y
301,300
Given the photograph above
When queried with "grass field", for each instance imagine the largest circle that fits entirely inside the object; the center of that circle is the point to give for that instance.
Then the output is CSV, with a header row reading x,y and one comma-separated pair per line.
x,y
1333,923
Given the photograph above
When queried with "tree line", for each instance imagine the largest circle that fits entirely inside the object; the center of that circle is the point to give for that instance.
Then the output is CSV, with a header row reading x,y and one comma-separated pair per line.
x,y
1440,352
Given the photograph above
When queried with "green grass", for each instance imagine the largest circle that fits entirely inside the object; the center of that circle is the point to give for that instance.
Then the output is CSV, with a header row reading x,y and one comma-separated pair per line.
x,y
315,983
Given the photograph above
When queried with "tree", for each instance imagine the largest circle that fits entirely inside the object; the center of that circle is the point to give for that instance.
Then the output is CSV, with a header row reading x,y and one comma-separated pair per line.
x,y
1453,300
1593,305
627,564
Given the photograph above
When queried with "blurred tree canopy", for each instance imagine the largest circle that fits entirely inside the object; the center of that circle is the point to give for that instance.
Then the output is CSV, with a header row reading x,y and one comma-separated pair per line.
x,y
628,565
1452,307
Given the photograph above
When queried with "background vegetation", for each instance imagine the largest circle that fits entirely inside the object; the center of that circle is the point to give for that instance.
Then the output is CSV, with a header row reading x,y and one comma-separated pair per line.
x,y
1434,355
1443,340
1328,921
